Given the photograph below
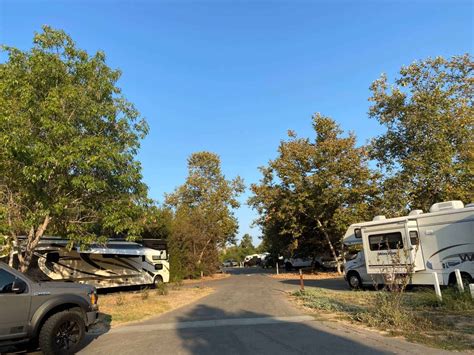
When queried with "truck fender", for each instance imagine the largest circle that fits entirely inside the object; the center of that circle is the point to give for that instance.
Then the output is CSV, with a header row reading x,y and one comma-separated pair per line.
x,y
68,301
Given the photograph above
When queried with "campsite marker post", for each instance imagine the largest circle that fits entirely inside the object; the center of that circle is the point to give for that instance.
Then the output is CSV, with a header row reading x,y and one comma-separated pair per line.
x,y
459,280
437,288
301,280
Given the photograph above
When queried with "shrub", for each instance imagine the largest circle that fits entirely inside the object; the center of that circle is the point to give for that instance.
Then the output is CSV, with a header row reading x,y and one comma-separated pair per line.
x,y
120,300
162,289
144,294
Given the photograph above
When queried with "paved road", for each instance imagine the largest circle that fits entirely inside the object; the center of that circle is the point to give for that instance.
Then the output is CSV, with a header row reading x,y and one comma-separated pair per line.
x,y
249,313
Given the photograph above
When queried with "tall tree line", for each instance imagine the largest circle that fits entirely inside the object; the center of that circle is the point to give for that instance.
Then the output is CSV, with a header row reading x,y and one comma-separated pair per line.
x,y
317,186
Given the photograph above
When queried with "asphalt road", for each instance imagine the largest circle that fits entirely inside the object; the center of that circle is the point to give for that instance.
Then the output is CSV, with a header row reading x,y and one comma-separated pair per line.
x,y
249,313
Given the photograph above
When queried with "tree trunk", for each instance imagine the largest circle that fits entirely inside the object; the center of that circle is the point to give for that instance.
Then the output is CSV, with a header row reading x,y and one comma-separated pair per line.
x,y
333,251
33,239
201,254
10,258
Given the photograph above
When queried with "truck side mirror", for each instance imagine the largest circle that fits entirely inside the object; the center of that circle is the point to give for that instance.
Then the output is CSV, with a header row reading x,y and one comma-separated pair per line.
x,y
19,286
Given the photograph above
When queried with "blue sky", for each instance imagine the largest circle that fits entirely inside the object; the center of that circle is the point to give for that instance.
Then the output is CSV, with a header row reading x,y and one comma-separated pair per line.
x,y
233,76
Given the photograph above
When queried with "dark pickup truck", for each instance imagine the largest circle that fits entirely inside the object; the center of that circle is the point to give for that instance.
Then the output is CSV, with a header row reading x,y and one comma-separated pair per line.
x,y
53,316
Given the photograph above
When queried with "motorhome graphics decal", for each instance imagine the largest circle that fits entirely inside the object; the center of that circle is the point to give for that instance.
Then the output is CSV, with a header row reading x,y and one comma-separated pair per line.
x,y
455,258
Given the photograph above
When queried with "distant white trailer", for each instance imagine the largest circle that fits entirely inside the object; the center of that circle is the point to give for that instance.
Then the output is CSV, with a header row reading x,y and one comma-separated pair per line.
x,y
118,263
423,243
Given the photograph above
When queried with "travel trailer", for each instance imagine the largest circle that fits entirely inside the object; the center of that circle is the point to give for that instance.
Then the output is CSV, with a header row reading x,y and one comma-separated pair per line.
x,y
118,263
419,244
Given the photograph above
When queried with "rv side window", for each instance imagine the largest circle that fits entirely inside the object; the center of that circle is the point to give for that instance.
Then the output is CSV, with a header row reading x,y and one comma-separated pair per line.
x,y
386,241
358,233
414,238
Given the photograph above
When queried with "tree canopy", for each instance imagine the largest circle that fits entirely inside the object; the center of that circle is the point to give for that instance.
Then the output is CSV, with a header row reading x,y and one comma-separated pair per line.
x,y
68,141
313,190
426,153
203,214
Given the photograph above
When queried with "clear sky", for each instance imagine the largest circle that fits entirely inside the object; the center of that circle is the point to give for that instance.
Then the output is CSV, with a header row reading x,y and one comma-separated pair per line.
x,y
233,76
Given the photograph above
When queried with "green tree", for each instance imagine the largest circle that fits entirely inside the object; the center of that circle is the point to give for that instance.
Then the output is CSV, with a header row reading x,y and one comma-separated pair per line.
x,y
313,190
246,243
203,216
427,151
68,141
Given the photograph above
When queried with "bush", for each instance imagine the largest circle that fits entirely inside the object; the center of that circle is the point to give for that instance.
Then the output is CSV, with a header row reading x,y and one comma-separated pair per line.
x,y
162,289
144,294
120,300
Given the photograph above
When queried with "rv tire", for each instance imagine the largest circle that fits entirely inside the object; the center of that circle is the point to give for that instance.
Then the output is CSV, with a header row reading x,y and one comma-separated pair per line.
x,y
354,281
466,279
157,281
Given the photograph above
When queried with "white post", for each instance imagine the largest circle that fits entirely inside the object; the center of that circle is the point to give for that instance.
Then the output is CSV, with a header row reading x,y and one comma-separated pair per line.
x,y
459,280
436,287
471,287
278,271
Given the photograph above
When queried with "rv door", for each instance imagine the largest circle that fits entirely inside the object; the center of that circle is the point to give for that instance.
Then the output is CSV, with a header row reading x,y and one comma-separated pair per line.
x,y
386,249
415,247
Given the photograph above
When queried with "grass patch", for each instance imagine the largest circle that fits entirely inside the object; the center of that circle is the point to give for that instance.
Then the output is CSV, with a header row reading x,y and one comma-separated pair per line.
x,y
125,307
418,316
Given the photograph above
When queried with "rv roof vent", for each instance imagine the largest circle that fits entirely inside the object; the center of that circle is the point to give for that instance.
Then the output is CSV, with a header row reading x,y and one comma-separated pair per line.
x,y
449,205
469,205
379,218
415,212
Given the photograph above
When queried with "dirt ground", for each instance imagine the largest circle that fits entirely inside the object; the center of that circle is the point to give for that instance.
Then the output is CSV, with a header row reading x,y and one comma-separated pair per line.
x,y
125,307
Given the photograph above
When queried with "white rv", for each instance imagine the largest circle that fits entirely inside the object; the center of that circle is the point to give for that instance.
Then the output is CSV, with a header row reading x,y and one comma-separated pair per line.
x,y
420,244
118,263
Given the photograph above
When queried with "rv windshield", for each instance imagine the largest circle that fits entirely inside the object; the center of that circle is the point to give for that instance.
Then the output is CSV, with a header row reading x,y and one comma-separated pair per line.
x,y
160,255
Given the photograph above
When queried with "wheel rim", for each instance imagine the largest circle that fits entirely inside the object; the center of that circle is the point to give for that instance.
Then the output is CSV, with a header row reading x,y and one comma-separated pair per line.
x,y
68,335
354,281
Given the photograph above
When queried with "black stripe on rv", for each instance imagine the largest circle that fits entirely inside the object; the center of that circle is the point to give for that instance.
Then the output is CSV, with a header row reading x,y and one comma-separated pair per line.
x,y
452,246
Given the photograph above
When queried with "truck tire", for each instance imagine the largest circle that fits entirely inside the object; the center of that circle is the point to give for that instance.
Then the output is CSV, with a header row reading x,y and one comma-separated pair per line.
x,y
62,333
354,281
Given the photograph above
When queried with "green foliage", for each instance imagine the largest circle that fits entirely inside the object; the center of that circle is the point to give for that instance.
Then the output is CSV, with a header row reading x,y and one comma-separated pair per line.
x,y
203,218
313,189
68,141
239,252
162,289
426,152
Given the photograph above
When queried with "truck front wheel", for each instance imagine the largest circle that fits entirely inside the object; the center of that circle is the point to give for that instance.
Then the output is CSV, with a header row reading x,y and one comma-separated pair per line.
x,y
62,333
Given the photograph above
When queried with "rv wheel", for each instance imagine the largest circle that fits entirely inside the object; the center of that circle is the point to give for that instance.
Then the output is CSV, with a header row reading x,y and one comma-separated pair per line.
x,y
157,281
354,281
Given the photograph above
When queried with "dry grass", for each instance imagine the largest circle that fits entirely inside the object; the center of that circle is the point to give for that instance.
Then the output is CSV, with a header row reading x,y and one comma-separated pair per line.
x,y
125,307
417,316
322,275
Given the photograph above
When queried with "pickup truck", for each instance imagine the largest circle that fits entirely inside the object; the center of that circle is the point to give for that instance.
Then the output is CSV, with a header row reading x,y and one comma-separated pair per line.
x,y
53,316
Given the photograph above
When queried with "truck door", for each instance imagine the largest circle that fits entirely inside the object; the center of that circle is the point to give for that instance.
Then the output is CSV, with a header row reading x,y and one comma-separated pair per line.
x,y
386,249
14,305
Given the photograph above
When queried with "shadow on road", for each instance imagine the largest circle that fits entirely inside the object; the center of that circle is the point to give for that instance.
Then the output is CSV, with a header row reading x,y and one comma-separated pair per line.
x,y
330,284
209,330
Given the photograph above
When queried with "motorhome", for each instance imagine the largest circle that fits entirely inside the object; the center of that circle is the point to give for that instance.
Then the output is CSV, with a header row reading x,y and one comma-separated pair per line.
x,y
117,263
418,244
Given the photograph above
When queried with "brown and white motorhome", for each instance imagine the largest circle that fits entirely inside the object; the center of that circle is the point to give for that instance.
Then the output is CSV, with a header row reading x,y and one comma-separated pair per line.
x,y
115,264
